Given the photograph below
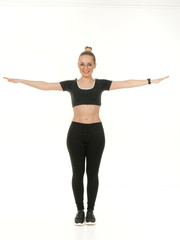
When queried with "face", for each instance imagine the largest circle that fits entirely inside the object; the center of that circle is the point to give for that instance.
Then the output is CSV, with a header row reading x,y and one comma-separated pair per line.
x,y
86,65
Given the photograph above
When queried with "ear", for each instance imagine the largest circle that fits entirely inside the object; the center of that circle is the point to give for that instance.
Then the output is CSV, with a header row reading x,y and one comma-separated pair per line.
x,y
95,65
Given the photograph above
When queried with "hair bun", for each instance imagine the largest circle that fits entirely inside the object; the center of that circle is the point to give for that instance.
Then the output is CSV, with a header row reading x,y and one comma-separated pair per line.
x,y
88,49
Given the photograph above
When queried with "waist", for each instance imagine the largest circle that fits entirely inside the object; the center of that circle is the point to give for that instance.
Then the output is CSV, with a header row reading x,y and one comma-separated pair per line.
x,y
82,123
84,128
86,119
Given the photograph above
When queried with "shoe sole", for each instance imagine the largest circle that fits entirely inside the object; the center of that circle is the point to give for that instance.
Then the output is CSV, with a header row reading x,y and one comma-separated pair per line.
x,y
79,224
87,223
90,223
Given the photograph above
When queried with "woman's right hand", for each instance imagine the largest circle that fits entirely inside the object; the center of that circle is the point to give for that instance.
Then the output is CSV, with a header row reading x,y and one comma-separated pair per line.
x,y
14,80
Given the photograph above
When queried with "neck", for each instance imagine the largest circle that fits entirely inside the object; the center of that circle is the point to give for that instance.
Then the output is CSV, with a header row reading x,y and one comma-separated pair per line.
x,y
86,79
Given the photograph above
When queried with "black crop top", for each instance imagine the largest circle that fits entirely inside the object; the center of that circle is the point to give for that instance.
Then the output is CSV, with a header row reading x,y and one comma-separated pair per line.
x,y
85,96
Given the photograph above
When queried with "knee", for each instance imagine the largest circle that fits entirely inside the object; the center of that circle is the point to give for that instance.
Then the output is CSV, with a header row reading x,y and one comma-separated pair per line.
x,y
92,177
78,177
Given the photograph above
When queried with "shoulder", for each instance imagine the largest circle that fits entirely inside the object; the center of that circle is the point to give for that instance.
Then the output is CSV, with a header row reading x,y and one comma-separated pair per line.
x,y
67,84
102,80
67,81
104,83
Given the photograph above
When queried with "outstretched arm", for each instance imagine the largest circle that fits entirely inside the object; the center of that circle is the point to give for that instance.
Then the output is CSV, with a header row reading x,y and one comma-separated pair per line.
x,y
133,83
37,84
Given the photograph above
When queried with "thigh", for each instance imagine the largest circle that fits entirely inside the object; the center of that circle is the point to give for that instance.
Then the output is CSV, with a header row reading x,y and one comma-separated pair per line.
x,y
76,148
94,151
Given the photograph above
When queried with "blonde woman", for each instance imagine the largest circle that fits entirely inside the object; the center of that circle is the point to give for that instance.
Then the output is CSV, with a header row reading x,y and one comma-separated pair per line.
x,y
86,138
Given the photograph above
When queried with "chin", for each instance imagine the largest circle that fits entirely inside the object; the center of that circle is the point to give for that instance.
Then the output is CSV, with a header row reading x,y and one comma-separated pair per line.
x,y
86,75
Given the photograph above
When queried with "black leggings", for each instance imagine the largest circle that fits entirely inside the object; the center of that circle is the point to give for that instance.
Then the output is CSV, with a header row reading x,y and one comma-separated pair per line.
x,y
85,140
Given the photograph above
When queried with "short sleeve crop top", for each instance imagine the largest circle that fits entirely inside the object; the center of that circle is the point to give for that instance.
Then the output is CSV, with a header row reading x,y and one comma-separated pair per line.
x,y
86,96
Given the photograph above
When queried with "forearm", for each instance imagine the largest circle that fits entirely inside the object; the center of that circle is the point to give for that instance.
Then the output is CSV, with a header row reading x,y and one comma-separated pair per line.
x,y
36,84
135,83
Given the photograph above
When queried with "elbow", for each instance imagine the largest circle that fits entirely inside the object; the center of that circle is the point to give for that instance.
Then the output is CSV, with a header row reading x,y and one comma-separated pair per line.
x,y
45,86
124,84
127,84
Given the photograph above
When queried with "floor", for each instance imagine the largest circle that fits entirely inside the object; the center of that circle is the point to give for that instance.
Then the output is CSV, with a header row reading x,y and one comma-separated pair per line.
x,y
138,212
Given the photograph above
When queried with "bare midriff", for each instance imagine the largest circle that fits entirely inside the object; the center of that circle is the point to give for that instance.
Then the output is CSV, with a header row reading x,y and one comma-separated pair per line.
x,y
86,113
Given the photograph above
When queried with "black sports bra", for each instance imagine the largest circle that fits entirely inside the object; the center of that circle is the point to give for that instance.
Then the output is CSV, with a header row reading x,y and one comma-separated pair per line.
x,y
86,96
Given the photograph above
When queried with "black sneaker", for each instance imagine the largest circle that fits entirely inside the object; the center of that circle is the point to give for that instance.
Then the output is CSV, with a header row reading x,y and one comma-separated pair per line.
x,y
90,218
80,217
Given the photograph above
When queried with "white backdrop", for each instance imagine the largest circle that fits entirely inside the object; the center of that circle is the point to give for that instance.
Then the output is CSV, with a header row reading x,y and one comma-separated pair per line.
x,y
141,124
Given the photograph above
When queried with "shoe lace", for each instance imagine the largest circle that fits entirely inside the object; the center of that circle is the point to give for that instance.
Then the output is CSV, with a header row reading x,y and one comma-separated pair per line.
x,y
90,213
79,214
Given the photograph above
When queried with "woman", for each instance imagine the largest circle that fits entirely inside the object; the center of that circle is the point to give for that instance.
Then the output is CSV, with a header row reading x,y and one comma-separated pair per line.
x,y
85,138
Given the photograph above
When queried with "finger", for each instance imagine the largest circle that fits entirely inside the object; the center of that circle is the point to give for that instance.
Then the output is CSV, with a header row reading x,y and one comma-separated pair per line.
x,y
165,77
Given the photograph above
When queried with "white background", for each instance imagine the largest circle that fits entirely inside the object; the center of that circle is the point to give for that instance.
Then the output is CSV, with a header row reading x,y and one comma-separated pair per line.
x,y
43,43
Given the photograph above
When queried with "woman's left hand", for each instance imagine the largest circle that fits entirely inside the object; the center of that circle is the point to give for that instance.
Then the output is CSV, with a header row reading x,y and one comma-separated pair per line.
x,y
158,79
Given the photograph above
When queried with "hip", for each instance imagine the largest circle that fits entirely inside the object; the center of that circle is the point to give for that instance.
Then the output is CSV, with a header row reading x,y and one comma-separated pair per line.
x,y
86,128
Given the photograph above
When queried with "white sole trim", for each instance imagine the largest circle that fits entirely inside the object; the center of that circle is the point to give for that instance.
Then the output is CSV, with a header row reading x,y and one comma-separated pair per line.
x,y
79,224
90,223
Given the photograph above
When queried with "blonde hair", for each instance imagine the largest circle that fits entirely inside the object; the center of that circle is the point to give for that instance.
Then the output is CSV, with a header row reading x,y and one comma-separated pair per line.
x,y
88,51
